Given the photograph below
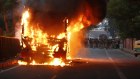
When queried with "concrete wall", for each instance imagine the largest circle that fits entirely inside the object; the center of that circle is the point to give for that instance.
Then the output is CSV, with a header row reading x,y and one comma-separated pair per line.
x,y
9,47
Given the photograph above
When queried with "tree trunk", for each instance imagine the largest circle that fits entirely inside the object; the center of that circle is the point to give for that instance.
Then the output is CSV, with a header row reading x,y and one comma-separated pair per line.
x,y
5,22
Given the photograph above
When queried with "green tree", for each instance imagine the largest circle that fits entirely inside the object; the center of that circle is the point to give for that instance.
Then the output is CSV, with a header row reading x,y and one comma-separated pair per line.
x,y
126,14
6,8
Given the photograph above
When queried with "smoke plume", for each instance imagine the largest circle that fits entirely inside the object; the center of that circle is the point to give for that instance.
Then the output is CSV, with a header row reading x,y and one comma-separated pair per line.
x,y
50,13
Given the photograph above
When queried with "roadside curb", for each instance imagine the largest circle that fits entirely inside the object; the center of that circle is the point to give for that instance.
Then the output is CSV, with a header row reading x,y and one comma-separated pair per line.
x,y
8,63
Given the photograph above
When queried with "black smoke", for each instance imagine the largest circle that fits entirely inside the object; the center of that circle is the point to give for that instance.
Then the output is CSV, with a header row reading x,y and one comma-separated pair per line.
x,y
50,13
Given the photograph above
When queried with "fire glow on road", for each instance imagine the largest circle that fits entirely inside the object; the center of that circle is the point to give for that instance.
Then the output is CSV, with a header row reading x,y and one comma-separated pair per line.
x,y
54,62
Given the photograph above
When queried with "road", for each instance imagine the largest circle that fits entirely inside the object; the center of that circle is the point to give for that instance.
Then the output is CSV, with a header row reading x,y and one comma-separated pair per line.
x,y
93,64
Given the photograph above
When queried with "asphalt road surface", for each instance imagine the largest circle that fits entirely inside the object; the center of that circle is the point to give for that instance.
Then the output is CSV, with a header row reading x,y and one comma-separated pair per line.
x,y
93,64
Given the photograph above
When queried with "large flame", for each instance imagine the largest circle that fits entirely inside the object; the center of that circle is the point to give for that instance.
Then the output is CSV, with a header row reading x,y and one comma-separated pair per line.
x,y
74,34
38,37
34,32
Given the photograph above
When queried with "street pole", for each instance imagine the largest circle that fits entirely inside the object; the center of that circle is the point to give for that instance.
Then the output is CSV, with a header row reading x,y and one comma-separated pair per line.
x,y
66,22
22,35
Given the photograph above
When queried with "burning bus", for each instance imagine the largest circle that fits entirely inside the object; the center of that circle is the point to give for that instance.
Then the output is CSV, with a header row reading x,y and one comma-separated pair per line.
x,y
52,31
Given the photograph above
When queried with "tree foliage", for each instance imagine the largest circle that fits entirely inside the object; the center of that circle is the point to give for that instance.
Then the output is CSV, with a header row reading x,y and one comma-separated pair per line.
x,y
6,12
126,14
7,5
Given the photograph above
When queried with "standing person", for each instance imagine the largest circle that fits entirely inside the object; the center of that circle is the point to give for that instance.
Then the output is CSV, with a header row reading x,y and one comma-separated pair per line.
x,y
91,43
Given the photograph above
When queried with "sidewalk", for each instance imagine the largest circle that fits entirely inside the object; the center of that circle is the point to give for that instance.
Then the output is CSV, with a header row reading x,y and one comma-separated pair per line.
x,y
136,54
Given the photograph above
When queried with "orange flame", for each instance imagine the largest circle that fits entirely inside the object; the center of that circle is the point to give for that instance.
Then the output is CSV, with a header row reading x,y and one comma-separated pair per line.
x,y
34,32
61,36
22,62
76,25
74,28
57,62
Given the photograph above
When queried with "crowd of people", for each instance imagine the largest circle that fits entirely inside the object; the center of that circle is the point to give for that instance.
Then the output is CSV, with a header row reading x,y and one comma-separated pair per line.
x,y
102,43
